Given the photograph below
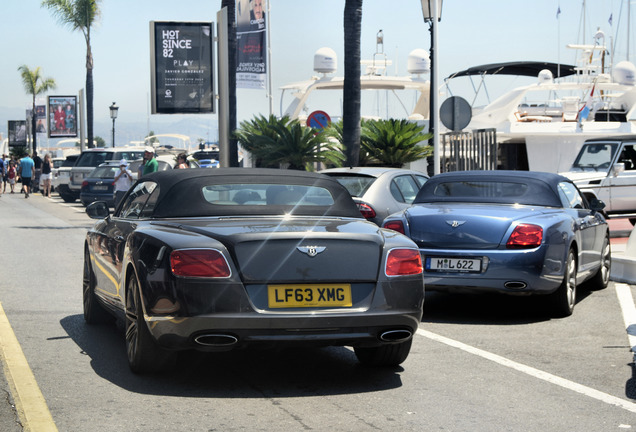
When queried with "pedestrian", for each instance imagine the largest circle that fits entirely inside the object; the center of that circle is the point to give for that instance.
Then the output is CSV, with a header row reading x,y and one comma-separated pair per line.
x,y
182,161
47,170
27,169
35,178
3,167
151,165
123,181
11,176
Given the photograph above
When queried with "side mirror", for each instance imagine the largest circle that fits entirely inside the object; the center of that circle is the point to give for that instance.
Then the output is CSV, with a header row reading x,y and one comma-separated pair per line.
x,y
618,168
98,210
597,204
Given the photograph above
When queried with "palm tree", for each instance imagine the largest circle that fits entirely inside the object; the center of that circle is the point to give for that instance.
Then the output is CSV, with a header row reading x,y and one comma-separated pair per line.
x,y
280,142
35,84
80,15
351,90
394,142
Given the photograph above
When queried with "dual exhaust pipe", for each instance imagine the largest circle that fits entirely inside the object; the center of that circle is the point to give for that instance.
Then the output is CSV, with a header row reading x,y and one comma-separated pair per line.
x,y
220,340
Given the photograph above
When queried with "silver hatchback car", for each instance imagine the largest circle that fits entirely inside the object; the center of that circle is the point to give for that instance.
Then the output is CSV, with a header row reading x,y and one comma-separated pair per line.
x,y
379,192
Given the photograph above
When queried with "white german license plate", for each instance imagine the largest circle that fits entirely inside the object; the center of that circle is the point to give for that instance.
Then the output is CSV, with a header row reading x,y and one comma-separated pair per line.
x,y
100,188
446,264
309,295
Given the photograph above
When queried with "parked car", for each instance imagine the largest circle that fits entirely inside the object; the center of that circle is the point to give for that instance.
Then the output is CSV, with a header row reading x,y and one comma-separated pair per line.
x,y
62,178
92,158
605,169
378,192
99,185
164,162
220,259
512,232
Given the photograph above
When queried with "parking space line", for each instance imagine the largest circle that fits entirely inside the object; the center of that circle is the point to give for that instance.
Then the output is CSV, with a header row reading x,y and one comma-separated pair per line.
x,y
32,409
626,300
536,373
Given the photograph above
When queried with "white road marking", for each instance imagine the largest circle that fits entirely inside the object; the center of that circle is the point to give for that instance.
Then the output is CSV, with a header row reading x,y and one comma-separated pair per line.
x,y
536,373
625,299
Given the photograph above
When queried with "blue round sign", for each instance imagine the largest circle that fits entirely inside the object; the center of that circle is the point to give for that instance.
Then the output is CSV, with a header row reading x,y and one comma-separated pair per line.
x,y
318,120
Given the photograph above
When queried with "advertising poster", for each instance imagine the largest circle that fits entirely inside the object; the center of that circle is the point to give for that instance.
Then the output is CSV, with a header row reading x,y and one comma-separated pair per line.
x,y
17,133
251,28
40,120
62,117
181,67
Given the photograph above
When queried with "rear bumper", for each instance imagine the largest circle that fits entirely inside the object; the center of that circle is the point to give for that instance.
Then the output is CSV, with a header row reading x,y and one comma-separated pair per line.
x,y
214,333
533,271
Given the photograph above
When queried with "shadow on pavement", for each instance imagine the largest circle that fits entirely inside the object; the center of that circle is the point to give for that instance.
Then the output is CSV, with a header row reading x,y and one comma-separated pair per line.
x,y
290,372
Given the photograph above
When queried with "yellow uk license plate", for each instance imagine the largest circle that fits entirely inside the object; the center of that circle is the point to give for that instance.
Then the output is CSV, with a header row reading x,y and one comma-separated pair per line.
x,y
309,295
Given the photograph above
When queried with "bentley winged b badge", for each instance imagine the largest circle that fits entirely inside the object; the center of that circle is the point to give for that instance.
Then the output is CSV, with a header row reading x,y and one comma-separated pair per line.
x,y
455,223
312,251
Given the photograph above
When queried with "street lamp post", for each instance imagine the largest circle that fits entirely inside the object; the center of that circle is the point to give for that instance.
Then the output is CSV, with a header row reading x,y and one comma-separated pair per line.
x,y
432,11
113,114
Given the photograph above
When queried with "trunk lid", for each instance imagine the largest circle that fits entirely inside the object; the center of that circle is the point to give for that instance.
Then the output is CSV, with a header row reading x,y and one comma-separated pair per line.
x,y
463,226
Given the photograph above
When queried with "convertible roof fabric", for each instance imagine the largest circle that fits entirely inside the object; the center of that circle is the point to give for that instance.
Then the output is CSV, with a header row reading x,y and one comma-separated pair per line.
x,y
180,192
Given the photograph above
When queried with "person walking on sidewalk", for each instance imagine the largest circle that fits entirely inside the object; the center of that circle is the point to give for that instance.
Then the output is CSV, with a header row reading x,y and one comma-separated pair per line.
x,y
27,169
46,175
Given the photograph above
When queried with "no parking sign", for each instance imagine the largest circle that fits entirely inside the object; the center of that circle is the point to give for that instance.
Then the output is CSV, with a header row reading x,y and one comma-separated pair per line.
x,y
318,120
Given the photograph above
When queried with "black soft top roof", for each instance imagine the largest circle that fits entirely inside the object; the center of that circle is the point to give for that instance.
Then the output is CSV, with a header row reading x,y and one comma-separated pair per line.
x,y
522,68
180,192
542,188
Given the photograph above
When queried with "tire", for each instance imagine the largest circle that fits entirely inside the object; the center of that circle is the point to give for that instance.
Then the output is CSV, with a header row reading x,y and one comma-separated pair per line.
x,y
144,355
562,301
602,277
384,355
94,312
68,198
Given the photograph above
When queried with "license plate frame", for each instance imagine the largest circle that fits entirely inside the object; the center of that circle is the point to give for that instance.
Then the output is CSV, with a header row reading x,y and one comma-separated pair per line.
x,y
453,264
100,188
288,296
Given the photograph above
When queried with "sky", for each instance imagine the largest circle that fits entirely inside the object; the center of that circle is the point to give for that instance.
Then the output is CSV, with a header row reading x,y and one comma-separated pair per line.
x,y
470,33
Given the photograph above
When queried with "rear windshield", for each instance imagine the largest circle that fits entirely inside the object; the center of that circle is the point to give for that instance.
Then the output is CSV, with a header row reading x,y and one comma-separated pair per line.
x,y
357,185
527,191
104,172
267,194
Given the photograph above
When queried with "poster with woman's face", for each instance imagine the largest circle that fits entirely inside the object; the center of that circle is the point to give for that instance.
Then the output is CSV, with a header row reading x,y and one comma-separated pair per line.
x,y
62,116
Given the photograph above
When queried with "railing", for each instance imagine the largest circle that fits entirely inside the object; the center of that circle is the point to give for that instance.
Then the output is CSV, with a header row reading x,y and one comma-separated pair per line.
x,y
469,151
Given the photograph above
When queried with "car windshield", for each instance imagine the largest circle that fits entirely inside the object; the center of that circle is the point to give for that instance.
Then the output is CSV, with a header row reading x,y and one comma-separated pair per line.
x,y
104,172
357,185
595,157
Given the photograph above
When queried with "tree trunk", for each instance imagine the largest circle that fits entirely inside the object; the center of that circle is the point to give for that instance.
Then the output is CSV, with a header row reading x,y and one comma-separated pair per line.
x,y
351,90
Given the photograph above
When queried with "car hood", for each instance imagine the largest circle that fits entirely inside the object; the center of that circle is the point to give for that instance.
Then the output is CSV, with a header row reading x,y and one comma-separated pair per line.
x,y
583,178
465,226
298,249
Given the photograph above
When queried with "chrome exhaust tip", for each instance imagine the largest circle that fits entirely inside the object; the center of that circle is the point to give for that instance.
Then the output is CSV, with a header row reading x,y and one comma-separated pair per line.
x,y
515,285
395,335
216,340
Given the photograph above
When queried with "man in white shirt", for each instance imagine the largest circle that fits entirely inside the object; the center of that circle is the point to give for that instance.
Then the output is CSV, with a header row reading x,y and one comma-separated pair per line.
x,y
123,181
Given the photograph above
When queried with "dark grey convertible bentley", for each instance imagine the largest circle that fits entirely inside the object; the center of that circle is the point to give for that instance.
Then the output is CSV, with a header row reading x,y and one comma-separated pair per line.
x,y
227,258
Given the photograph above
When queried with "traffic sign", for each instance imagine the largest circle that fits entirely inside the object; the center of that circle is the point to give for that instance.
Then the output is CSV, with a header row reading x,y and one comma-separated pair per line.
x,y
318,120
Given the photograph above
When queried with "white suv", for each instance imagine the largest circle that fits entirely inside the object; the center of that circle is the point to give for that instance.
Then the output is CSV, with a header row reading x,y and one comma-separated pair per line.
x,y
605,169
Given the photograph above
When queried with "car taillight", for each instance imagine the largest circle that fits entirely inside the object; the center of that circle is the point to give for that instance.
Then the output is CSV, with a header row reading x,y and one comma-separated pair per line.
x,y
400,262
525,236
395,225
366,210
208,263
84,184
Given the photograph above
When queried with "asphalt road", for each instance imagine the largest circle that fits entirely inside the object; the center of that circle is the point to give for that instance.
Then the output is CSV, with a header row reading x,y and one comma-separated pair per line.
x,y
478,363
